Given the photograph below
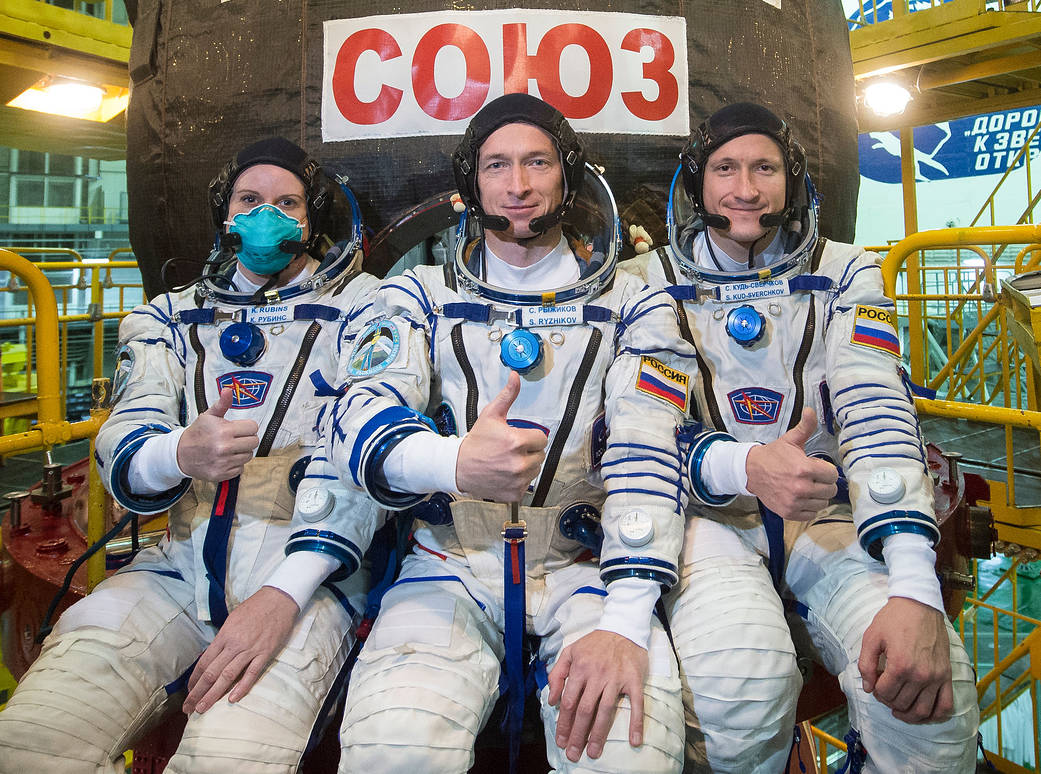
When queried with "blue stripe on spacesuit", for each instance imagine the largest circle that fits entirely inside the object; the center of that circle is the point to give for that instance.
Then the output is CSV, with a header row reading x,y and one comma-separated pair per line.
x,y
367,392
897,402
590,590
874,530
895,430
215,547
673,480
906,418
345,603
325,542
142,410
638,567
891,456
439,578
421,298
319,477
383,420
647,492
394,392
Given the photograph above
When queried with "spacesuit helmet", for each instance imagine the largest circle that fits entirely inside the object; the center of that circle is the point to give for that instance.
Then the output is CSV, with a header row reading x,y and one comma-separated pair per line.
x,y
587,214
320,193
513,109
687,215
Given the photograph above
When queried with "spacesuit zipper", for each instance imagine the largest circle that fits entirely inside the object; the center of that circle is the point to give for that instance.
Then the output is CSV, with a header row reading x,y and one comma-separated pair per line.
x,y
468,373
287,391
800,363
201,403
549,468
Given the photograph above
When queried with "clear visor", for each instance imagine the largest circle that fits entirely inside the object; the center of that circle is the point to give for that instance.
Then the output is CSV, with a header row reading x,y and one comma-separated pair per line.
x,y
592,229
684,225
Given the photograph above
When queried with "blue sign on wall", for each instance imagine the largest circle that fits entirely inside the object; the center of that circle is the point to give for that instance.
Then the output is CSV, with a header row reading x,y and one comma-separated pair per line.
x,y
966,147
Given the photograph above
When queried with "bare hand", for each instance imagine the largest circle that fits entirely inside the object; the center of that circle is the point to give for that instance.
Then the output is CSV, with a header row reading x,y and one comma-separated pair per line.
x,y
587,681
496,461
905,661
254,633
788,482
215,449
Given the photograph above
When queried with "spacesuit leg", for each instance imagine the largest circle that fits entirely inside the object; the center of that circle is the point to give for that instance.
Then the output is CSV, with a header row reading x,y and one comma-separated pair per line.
x,y
573,609
427,678
842,589
738,666
102,675
267,731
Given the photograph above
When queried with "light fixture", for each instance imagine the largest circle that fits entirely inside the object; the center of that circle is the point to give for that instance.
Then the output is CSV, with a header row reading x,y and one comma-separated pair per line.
x,y
886,98
74,99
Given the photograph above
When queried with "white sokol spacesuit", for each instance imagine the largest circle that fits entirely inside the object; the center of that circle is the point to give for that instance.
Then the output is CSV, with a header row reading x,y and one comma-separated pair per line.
x,y
116,659
595,380
807,324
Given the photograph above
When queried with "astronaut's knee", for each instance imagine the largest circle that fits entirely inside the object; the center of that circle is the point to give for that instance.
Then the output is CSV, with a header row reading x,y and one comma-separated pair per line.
x,y
740,676
78,708
662,747
422,689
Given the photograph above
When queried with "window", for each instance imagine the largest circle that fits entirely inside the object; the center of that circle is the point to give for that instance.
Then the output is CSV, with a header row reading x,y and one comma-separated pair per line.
x,y
28,193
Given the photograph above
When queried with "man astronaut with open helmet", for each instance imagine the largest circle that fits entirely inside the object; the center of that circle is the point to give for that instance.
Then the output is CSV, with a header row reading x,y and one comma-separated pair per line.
x,y
215,398
492,381
796,345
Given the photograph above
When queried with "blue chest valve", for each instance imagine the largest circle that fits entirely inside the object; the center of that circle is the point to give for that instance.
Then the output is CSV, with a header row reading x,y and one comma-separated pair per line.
x,y
581,522
521,350
242,343
746,325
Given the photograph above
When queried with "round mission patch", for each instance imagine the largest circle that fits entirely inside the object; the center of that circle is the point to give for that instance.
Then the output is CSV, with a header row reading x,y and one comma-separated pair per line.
x,y
375,350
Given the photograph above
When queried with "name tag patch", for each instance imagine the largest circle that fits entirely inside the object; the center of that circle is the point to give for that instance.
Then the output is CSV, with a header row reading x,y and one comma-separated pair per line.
x,y
750,291
543,316
269,315
875,327
667,384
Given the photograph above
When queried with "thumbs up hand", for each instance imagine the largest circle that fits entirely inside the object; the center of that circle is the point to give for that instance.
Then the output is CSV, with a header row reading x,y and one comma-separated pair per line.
x,y
496,461
788,482
213,448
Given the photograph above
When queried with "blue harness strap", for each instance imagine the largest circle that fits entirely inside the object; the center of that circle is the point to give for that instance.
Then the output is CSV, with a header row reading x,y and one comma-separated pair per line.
x,y
215,547
513,535
774,526
855,753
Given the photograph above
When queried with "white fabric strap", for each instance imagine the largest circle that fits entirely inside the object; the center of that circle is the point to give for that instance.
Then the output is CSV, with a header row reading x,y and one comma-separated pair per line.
x,y
628,609
301,573
723,468
154,469
911,562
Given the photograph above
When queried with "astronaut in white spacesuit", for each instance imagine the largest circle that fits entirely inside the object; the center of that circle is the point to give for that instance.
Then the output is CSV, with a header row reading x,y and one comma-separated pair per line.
x,y
796,342
215,398
491,381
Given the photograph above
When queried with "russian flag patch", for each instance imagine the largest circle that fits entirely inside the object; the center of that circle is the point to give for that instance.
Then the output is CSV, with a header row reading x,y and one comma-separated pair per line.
x,y
662,382
875,328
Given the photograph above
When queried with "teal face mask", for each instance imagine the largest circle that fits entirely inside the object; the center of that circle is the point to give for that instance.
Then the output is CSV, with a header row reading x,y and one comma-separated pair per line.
x,y
262,230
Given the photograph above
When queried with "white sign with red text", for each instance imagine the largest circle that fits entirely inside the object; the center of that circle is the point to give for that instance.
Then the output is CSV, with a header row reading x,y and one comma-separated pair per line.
x,y
405,75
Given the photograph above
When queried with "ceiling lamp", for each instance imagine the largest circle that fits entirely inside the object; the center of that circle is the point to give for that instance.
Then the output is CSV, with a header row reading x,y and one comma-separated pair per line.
x,y
74,99
886,98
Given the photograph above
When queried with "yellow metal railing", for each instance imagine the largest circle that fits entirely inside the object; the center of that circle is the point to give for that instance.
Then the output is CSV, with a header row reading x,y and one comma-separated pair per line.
x,y
92,296
981,373
51,428
1024,643
868,11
